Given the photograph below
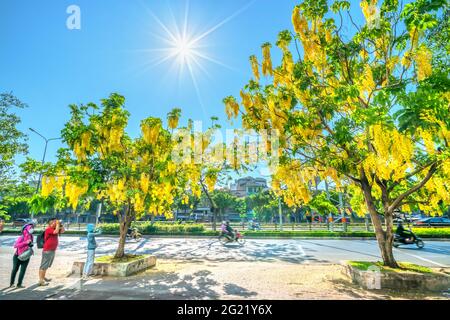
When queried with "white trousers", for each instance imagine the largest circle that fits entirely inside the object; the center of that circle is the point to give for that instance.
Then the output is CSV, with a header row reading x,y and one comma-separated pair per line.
x,y
89,265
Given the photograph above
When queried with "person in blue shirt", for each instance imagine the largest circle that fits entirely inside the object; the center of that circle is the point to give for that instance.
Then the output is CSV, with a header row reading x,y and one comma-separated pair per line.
x,y
91,246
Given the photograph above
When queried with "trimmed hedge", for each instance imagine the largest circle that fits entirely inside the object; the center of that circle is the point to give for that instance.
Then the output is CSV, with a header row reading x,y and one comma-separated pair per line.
x,y
154,228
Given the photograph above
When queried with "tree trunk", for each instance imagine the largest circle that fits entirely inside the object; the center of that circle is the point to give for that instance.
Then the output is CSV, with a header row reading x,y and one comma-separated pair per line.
x,y
384,238
125,223
213,219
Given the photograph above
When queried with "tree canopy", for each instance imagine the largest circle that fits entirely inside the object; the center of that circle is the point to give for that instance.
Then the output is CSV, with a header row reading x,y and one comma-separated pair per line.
x,y
363,108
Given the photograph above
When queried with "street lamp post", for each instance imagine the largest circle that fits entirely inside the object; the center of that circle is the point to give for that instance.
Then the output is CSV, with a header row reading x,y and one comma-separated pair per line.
x,y
280,213
43,159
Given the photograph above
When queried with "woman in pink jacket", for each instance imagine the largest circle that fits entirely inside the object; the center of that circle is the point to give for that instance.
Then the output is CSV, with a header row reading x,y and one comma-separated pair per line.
x,y
22,244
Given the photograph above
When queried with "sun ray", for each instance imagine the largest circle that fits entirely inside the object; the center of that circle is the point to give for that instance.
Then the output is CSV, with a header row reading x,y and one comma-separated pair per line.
x,y
202,68
162,25
206,57
197,90
186,13
217,26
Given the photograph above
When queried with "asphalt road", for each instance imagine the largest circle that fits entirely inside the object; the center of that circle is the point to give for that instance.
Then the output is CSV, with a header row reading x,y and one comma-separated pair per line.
x,y
300,251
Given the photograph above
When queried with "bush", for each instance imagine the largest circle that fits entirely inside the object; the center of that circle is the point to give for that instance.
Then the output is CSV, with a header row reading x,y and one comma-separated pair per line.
x,y
432,232
146,227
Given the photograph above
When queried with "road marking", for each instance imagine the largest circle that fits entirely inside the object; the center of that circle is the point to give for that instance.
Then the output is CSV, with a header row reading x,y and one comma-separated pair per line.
x,y
424,259
303,253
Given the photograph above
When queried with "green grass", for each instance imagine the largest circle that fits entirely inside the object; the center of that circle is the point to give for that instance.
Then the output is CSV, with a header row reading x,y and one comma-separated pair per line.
x,y
124,259
404,267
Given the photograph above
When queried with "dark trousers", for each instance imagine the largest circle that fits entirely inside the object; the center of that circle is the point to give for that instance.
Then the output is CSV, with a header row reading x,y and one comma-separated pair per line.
x,y
23,268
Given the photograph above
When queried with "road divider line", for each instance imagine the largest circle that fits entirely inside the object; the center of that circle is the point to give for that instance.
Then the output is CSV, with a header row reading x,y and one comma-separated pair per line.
x,y
424,259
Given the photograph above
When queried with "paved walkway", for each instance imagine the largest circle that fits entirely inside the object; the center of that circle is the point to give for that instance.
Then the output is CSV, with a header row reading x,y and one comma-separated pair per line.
x,y
204,269
435,253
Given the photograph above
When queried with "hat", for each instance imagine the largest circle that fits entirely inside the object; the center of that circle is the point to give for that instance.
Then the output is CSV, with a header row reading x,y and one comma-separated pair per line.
x,y
27,225
90,227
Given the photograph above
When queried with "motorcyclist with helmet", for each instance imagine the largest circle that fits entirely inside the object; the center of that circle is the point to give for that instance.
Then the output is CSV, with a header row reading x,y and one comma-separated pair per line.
x,y
401,232
227,230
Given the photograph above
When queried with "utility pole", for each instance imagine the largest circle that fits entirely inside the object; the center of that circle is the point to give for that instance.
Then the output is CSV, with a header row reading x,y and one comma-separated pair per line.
x,y
99,211
43,159
280,213
341,207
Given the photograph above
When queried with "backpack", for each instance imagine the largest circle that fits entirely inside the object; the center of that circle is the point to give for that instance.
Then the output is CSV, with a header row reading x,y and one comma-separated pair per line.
x,y
40,240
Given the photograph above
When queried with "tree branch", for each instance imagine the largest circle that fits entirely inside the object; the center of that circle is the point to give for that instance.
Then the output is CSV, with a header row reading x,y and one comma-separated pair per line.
x,y
400,198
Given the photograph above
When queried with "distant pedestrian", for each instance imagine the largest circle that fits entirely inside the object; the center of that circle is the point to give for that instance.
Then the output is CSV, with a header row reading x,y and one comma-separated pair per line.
x,y
22,254
2,225
91,246
51,234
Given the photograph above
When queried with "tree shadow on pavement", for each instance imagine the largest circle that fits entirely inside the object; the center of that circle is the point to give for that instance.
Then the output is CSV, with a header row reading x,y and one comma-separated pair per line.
x,y
165,285
235,290
33,292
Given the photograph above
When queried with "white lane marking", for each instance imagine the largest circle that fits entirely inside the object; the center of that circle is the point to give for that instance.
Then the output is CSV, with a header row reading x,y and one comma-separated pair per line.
x,y
302,251
438,249
424,259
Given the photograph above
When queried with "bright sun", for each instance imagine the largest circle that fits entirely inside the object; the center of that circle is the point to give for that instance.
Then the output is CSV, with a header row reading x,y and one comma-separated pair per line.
x,y
185,49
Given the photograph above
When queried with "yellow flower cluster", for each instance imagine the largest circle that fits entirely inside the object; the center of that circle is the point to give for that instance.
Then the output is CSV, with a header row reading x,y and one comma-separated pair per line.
x,y
299,22
74,191
173,121
144,182
231,107
138,203
423,58
255,67
288,62
83,147
116,191
162,194
150,130
296,180
366,82
267,60
427,138
210,182
185,199
313,51
246,100
369,9
392,156
49,184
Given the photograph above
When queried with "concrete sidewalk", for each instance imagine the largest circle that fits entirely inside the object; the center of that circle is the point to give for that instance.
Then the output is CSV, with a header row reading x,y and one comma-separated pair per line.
x,y
197,280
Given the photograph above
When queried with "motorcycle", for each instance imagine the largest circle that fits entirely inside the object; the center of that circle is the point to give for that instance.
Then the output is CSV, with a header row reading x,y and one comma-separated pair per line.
x,y
399,240
238,237
134,234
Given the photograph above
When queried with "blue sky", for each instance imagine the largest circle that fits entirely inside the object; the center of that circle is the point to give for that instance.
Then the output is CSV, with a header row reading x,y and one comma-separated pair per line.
x,y
48,66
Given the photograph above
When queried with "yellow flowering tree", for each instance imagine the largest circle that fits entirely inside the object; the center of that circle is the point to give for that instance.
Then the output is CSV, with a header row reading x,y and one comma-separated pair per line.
x,y
364,108
132,176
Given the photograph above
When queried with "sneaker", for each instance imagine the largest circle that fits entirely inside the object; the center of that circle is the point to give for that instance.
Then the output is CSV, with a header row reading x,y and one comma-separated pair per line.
x,y
42,283
19,286
48,280
11,286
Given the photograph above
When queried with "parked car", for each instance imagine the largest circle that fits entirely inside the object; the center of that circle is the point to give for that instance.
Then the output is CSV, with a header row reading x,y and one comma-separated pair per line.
x,y
408,218
21,222
433,222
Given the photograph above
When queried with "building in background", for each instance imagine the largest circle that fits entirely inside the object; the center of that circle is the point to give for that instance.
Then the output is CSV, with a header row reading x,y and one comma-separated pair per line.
x,y
244,187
